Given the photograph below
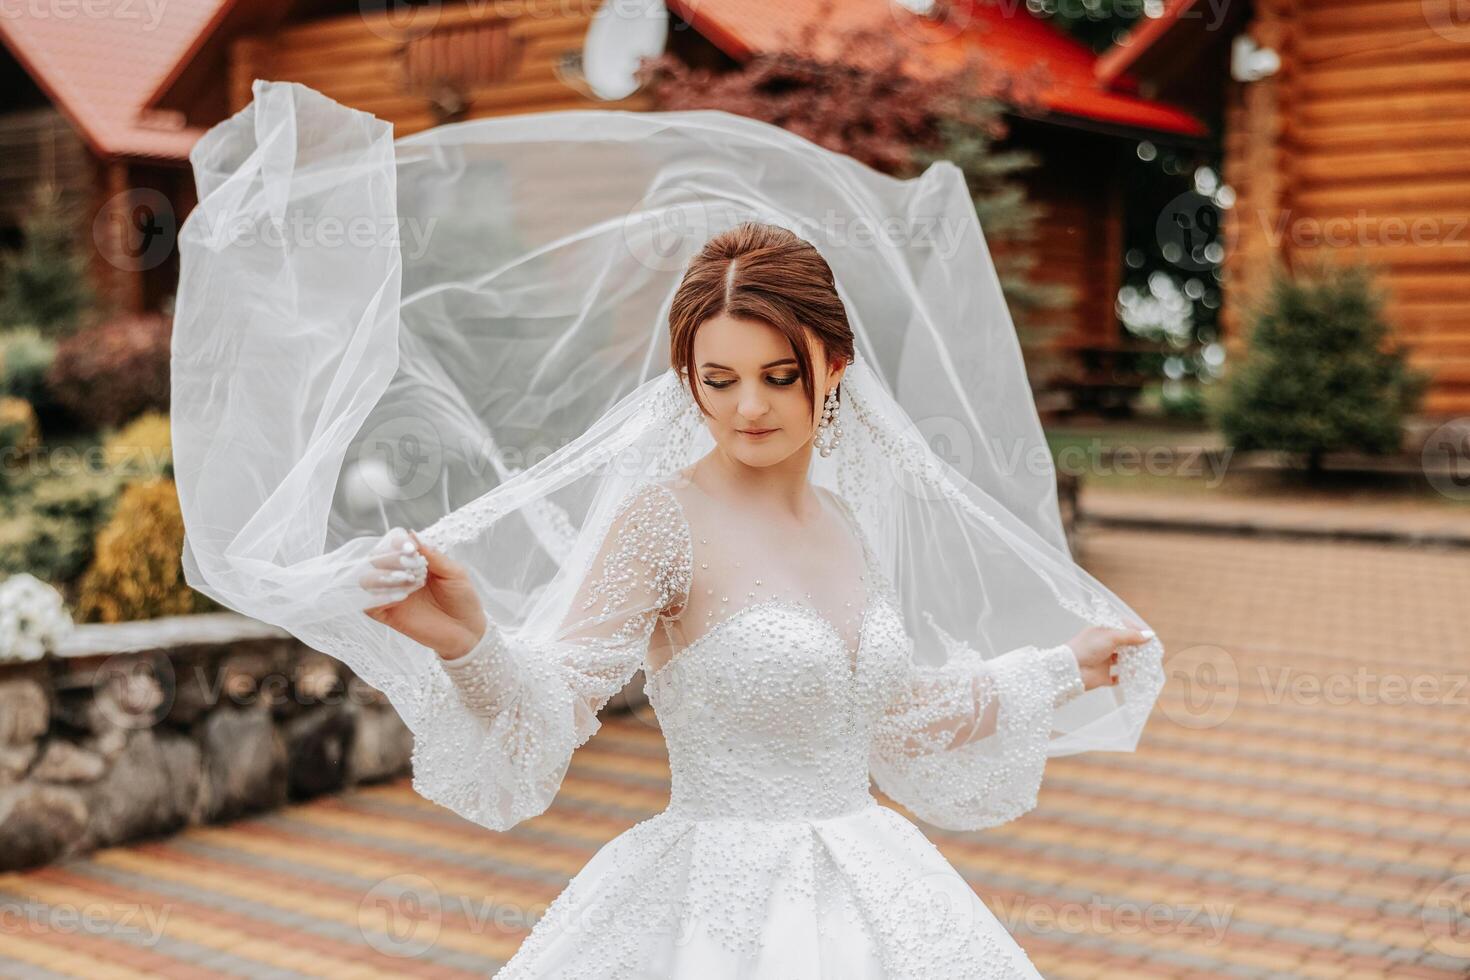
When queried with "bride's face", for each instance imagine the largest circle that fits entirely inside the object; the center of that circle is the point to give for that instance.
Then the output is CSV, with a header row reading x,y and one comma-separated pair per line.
x,y
750,382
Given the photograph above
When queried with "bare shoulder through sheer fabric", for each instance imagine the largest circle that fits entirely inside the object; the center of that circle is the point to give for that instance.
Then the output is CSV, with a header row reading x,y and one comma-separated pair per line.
x,y
744,559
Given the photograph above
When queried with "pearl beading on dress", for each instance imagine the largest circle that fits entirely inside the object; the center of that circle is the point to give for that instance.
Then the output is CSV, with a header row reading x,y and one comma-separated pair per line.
x,y
775,722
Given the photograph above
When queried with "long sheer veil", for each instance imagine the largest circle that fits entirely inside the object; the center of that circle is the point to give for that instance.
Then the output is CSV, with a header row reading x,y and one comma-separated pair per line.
x,y
464,331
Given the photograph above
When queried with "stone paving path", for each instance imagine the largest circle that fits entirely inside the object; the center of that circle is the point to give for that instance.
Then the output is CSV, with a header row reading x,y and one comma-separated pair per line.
x,y
1299,807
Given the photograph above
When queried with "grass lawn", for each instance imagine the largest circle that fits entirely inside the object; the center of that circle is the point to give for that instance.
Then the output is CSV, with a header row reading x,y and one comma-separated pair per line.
x,y
1153,458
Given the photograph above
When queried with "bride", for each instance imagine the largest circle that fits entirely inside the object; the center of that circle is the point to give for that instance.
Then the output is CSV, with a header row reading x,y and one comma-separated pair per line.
x,y
778,665
816,596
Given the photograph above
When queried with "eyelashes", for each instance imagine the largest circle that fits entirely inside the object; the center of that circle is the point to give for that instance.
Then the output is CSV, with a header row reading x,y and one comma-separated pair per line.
x,y
779,381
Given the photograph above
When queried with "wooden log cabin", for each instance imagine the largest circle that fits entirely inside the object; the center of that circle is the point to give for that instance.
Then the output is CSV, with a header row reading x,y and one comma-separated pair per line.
x,y
72,116
423,66
1346,134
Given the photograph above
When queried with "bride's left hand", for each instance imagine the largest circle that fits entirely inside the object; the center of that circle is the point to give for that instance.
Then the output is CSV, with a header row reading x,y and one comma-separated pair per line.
x,y
1096,649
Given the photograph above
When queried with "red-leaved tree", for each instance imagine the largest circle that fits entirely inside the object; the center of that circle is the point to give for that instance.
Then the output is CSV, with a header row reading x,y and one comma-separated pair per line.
x,y
877,95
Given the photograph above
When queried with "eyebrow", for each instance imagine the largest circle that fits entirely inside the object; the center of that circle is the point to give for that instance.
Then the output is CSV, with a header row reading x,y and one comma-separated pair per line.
x,y
784,360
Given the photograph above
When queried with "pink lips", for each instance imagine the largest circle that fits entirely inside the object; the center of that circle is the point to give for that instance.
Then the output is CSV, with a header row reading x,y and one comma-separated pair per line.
x,y
755,433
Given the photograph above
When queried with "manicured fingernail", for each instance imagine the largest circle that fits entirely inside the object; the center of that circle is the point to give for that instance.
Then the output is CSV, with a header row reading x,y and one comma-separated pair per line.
x,y
1148,633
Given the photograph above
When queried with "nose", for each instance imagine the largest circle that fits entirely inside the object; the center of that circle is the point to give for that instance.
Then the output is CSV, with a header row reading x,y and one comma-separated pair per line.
x,y
752,405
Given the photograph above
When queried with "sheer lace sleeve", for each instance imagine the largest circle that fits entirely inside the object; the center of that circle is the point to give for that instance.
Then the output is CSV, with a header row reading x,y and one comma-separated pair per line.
x,y
963,744
513,711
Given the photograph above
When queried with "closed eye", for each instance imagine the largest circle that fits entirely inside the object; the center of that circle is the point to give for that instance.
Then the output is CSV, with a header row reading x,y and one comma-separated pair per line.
x,y
781,381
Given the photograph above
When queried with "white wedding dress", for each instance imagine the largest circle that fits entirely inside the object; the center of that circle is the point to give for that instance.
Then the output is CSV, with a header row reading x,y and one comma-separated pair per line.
x,y
782,680
464,331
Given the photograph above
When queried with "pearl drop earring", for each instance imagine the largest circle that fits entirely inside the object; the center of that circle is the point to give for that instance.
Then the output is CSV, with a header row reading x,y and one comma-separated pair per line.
x,y
829,430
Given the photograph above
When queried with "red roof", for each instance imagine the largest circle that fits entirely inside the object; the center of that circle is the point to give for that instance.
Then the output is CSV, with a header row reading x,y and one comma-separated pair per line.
x,y
1007,35
99,70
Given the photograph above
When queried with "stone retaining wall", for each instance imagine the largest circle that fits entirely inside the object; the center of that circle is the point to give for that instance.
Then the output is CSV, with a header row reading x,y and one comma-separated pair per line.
x,y
143,728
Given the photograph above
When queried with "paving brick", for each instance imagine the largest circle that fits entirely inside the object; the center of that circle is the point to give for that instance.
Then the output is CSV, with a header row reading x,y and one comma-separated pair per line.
x,y
1293,837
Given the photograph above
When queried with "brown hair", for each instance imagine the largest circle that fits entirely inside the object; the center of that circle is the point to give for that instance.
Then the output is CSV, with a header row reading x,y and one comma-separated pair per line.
x,y
760,272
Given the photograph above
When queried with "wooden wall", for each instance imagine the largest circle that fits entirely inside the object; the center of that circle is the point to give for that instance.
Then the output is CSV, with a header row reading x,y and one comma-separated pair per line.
x,y
383,67
40,145
1367,125
1078,244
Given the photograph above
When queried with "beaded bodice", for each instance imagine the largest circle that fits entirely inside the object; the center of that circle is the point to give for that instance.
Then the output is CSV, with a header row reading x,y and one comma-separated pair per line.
x,y
778,665
773,678
766,716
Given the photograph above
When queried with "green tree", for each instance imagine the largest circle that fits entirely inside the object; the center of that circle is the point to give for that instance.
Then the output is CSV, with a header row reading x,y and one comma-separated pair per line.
x,y
1097,23
1319,375
967,138
44,283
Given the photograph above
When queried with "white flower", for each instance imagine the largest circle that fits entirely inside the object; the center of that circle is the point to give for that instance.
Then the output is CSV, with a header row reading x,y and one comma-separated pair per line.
x,y
33,618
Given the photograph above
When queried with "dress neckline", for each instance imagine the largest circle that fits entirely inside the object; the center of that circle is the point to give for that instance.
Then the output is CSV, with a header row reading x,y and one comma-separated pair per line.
x,y
851,656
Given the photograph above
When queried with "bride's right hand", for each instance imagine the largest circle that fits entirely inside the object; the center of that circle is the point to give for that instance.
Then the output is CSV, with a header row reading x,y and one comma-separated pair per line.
x,y
427,596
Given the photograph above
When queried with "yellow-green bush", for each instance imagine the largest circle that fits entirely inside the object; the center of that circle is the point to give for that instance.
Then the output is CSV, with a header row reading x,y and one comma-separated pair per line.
x,y
137,572
51,548
140,449
19,430
25,357
49,522
86,496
